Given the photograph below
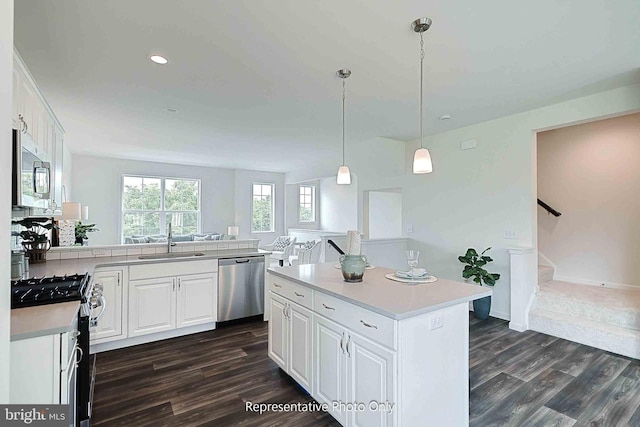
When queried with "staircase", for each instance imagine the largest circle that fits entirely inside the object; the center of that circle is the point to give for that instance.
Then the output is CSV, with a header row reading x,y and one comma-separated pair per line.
x,y
606,318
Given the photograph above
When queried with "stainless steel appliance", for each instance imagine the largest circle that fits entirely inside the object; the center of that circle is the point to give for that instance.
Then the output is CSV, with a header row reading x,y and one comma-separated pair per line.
x,y
31,178
78,287
240,287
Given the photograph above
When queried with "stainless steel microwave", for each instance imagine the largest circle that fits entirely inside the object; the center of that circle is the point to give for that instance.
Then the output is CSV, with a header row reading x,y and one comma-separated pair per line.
x,y
31,178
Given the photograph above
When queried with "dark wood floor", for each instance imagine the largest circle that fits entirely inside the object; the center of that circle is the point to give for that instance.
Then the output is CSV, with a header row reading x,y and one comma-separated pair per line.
x,y
516,379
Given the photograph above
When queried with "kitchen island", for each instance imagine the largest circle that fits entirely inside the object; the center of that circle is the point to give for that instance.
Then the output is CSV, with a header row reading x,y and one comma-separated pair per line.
x,y
376,353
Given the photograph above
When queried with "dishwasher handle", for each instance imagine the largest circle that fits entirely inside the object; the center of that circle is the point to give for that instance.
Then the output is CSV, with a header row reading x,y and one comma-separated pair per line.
x,y
241,260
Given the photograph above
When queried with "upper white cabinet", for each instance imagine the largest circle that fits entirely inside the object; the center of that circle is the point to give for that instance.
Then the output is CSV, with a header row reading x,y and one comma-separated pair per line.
x,y
33,116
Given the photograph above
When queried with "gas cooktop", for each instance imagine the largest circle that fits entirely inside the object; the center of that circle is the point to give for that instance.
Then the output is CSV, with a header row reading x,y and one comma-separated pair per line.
x,y
48,290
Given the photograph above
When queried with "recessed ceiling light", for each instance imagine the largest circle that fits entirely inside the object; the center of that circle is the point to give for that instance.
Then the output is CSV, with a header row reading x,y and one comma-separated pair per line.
x,y
158,59
445,117
171,110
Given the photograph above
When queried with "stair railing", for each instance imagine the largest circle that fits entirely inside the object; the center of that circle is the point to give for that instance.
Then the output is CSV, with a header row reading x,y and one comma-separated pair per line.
x,y
549,209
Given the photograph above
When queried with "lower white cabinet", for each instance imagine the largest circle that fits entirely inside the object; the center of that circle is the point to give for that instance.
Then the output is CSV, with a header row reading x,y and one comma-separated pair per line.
x,y
291,339
351,369
110,319
166,303
43,369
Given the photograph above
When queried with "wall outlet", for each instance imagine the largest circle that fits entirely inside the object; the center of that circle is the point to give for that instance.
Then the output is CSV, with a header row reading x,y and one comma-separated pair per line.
x,y
436,321
468,145
510,234
409,228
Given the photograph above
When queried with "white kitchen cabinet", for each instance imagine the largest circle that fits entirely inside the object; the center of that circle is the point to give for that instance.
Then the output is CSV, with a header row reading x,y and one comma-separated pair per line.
x,y
291,338
43,369
370,378
300,344
330,366
152,305
278,331
166,303
110,324
197,299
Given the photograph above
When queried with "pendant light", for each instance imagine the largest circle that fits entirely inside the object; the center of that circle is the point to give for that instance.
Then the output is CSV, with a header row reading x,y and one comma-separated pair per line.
x,y
344,176
422,157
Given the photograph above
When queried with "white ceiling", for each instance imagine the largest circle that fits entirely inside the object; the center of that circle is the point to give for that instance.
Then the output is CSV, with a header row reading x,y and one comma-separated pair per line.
x,y
255,80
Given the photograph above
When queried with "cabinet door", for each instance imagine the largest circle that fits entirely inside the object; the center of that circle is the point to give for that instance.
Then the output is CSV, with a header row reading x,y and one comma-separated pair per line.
x,y
18,107
278,331
370,378
110,322
29,108
152,305
197,299
329,365
57,159
300,344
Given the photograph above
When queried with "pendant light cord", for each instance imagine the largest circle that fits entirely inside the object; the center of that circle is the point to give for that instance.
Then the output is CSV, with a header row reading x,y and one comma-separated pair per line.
x,y
421,66
343,98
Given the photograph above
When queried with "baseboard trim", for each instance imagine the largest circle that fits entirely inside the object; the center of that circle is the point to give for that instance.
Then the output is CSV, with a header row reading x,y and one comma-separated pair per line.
x,y
517,327
128,342
496,314
597,283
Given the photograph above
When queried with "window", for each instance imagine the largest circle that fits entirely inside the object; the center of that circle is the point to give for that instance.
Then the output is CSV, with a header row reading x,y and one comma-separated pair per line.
x,y
307,203
150,203
262,208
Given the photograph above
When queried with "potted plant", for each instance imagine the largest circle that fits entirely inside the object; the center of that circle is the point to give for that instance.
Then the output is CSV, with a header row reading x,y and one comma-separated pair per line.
x,y
81,232
474,270
35,239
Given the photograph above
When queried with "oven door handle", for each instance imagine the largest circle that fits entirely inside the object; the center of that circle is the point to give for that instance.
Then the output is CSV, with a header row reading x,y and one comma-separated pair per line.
x,y
103,304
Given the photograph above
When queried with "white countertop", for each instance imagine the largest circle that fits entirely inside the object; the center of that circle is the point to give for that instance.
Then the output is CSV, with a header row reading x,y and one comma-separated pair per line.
x,y
377,293
87,265
49,319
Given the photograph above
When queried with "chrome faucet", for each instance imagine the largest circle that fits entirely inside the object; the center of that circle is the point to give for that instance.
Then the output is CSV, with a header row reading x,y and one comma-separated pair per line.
x,y
169,239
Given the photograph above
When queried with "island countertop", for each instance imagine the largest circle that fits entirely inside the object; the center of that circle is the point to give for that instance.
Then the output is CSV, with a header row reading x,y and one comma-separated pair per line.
x,y
377,293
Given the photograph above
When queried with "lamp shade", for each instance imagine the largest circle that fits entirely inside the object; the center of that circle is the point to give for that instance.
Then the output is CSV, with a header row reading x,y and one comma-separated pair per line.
x,y
344,176
422,161
71,211
232,230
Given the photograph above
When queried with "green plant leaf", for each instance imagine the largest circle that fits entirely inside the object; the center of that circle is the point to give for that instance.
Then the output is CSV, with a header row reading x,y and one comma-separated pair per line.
x,y
471,253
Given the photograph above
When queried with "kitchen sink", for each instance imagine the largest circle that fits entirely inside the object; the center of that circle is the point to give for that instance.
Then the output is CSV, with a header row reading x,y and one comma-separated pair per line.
x,y
172,255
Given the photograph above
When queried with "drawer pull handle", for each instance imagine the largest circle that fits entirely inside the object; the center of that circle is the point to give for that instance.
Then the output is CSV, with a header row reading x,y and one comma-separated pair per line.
x,y
299,295
368,325
276,285
327,307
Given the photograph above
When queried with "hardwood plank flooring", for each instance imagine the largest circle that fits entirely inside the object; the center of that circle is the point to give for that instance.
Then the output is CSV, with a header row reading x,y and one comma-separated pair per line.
x,y
516,379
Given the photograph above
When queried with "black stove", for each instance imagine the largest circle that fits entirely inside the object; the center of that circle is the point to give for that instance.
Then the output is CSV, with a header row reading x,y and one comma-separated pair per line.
x,y
48,290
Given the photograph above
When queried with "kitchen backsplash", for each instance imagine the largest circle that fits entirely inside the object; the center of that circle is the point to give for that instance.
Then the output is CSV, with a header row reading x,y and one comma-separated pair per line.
x,y
70,252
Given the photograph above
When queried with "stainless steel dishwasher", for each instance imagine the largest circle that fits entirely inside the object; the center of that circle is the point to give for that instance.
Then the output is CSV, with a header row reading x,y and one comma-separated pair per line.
x,y
240,287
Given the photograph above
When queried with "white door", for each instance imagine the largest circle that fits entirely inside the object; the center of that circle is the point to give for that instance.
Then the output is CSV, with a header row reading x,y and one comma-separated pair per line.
x,y
300,344
370,373
278,331
329,370
110,322
197,299
152,305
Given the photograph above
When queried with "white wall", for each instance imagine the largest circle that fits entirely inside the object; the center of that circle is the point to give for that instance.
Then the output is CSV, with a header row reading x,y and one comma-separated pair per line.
x,y
473,196
67,174
97,181
339,205
6,86
244,180
384,214
590,174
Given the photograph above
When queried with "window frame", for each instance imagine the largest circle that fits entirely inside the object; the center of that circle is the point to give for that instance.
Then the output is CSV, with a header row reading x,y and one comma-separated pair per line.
x,y
273,208
162,211
313,203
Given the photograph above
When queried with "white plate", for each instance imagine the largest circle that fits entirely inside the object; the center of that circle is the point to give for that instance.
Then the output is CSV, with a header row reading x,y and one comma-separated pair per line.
x,y
427,279
408,275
